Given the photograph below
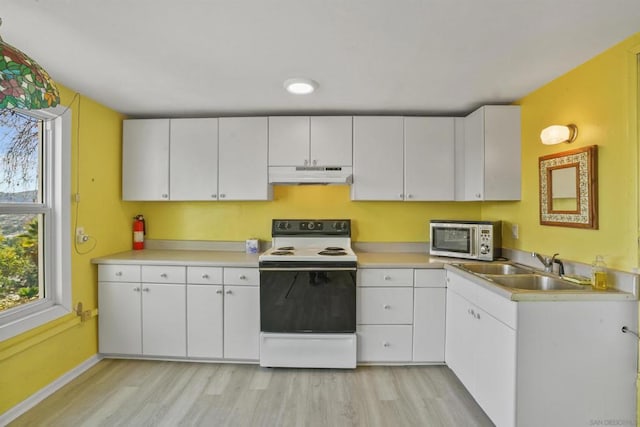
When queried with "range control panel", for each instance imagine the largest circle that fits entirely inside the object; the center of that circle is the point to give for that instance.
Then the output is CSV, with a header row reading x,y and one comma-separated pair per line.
x,y
311,227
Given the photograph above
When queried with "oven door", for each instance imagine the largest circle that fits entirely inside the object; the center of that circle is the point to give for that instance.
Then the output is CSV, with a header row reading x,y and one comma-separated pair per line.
x,y
307,297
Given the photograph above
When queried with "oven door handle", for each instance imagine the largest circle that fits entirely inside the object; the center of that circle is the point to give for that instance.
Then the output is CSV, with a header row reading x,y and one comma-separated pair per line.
x,y
308,269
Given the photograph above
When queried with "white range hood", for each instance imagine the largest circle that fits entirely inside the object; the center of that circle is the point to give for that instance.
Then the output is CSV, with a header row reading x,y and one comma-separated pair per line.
x,y
319,175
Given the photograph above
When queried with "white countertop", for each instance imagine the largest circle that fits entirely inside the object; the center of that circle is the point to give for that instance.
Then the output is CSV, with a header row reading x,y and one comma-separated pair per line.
x,y
182,257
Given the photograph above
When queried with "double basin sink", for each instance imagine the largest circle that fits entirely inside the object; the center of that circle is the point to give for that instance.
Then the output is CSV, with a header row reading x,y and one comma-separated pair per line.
x,y
522,278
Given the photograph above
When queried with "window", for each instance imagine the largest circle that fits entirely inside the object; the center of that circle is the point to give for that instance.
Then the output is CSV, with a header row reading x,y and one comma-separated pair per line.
x,y
35,280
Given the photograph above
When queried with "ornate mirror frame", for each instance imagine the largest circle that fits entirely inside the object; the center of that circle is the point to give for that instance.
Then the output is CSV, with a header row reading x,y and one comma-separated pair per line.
x,y
585,214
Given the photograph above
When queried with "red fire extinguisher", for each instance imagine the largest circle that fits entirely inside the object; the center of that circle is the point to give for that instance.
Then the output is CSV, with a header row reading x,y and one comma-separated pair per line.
x,y
139,230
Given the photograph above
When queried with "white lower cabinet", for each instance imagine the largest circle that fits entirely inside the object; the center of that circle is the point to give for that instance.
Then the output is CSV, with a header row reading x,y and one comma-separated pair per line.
x,y
202,319
242,322
542,363
384,343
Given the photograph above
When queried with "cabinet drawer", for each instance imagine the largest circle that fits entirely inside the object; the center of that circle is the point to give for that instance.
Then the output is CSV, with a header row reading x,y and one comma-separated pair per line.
x,y
385,277
384,343
430,278
241,276
383,306
204,275
118,273
163,274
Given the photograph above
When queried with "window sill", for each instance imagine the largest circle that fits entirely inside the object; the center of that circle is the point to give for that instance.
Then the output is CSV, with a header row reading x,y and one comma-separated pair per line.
x,y
26,323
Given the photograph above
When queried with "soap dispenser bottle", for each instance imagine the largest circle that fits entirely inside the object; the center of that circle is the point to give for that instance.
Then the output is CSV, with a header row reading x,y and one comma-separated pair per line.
x,y
599,273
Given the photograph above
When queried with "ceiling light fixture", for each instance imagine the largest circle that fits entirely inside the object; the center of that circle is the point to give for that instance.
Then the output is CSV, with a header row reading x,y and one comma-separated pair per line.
x,y
23,83
559,133
300,86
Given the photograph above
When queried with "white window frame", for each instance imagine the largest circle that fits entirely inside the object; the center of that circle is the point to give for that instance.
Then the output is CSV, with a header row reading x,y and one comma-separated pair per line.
x,y
56,246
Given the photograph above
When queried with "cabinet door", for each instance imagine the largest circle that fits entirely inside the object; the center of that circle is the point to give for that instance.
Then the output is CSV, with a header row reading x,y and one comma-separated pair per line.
x,y
495,369
474,156
331,141
429,144
243,159
241,322
164,320
502,157
460,342
120,318
378,163
289,141
384,343
429,324
204,321
145,159
194,159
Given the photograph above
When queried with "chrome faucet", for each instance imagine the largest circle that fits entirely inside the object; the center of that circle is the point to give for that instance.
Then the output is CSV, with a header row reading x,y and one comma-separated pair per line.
x,y
546,261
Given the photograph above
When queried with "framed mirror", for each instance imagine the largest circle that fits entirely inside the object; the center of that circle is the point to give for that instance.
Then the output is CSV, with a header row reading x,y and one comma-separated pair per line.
x,y
568,188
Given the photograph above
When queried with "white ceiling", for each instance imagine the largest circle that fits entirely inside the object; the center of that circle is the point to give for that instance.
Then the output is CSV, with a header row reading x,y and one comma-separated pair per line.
x,y
230,57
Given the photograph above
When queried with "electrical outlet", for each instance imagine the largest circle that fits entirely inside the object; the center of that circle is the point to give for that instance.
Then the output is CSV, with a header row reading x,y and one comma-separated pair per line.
x,y
515,232
80,236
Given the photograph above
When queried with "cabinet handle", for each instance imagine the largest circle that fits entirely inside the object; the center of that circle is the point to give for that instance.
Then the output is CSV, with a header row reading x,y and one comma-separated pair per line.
x,y
229,292
477,315
222,196
163,275
400,196
165,196
409,196
243,277
213,196
145,289
119,273
386,306
205,276
136,289
387,277
478,195
306,162
219,292
315,162
386,344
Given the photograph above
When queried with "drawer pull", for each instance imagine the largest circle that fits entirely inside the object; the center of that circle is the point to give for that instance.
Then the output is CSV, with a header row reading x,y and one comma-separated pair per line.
x,y
386,344
136,289
119,273
163,275
219,292
205,276
243,277
387,277
145,289
386,306
229,292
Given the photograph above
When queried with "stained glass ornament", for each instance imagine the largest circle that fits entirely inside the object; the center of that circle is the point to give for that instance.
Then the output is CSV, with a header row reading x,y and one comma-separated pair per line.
x,y
23,83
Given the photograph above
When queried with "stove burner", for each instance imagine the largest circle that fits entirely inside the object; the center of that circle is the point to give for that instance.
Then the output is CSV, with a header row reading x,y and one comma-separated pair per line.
x,y
332,252
282,252
286,248
334,248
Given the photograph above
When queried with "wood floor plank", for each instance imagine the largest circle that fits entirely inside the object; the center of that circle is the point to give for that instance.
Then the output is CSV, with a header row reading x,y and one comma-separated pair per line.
x,y
153,393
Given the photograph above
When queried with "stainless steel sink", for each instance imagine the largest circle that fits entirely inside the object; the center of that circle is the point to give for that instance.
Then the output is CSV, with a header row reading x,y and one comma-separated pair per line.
x,y
495,268
535,282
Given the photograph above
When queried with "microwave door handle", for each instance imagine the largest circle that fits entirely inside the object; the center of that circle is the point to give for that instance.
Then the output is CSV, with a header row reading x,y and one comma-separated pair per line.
x,y
472,248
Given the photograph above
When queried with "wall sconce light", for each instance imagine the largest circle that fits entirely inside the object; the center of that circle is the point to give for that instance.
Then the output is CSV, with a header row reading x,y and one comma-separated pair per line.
x,y
558,133
23,83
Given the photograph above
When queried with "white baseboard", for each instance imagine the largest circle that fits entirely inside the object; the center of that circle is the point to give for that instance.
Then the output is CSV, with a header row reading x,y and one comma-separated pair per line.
x,y
48,390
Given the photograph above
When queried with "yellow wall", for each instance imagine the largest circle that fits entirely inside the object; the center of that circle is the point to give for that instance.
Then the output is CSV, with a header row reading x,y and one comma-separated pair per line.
x,y
34,359
372,221
601,98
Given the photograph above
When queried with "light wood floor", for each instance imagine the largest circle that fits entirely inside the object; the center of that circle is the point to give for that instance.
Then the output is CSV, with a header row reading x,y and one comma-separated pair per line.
x,y
149,393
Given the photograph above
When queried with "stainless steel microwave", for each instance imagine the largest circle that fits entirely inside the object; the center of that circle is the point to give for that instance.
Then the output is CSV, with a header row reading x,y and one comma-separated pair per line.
x,y
481,240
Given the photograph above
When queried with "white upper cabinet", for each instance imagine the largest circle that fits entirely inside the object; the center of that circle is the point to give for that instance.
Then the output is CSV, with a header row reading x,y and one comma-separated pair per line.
x,y
193,169
243,159
145,159
331,141
378,163
429,172
489,162
310,141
